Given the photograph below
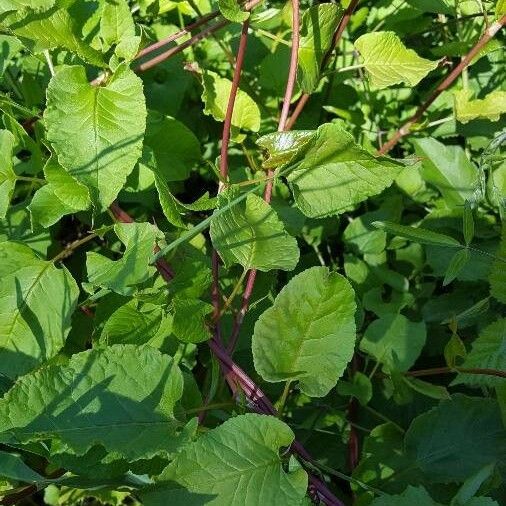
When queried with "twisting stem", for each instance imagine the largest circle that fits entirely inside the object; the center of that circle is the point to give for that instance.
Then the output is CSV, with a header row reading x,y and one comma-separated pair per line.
x,y
335,40
457,70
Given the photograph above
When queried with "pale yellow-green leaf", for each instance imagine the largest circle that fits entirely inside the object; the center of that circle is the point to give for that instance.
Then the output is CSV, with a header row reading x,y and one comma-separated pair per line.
x,y
490,107
389,62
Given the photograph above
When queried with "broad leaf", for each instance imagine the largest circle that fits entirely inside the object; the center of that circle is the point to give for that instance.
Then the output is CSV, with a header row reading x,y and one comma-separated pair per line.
x,y
62,195
232,11
490,107
282,147
36,303
336,174
246,115
7,174
394,341
251,234
133,268
53,28
190,320
135,323
309,333
457,438
388,61
449,169
409,497
96,131
175,147
318,25
239,463
13,468
121,397
116,23
488,352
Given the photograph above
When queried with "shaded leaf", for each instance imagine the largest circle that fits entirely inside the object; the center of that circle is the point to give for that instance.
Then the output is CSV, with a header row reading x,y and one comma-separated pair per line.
x,y
251,234
121,397
309,333
36,303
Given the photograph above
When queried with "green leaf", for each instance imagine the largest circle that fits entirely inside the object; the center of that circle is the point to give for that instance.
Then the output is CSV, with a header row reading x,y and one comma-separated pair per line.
x,y
133,268
411,496
36,303
246,115
170,205
282,147
190,320
489,107
232,11
121,397
448,169
135,323
497,275
317,30
251,234
50,29
175,147
388,61
336,174
309,333
96,131
360,388
13,468
488,352
62,195
384,461
394,341
239,463
457,263
470,487
7,174
468,223
419,235
457,438
454,349
116,22
425,388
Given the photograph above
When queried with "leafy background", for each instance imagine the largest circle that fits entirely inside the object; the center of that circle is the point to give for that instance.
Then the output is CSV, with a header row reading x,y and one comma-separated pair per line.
x,y
259,262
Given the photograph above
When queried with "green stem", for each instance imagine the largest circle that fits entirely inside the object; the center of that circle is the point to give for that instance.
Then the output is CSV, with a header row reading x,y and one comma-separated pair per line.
x,y
72,247
232,295
282,400
31,179
217,405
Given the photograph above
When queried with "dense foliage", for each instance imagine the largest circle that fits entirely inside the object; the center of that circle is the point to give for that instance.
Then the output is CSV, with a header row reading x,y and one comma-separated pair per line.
x,y
260,260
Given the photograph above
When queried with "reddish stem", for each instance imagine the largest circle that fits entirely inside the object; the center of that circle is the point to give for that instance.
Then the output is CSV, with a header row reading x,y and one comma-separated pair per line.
x,y
343,23
171,38
196,38
457,70
290,85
